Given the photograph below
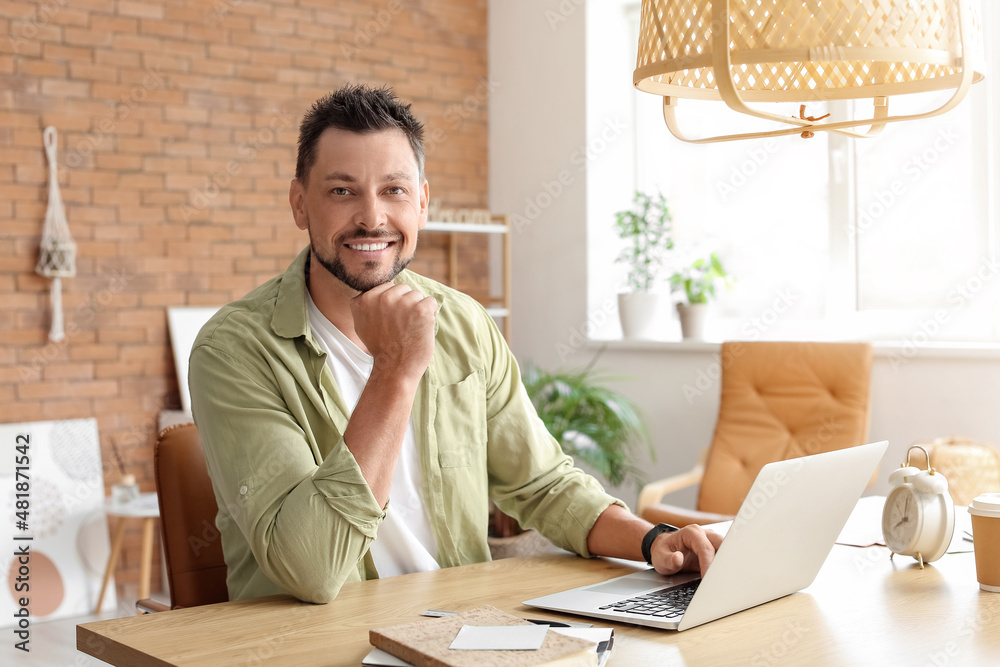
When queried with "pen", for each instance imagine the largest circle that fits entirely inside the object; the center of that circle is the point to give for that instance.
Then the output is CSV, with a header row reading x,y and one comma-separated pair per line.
x,y
537,621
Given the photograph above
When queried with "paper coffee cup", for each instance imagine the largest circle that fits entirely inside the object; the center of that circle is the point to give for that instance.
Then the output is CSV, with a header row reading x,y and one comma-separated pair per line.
x,y
985,511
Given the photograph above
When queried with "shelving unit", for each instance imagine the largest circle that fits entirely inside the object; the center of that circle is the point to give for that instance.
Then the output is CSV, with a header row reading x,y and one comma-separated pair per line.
x,y
499,225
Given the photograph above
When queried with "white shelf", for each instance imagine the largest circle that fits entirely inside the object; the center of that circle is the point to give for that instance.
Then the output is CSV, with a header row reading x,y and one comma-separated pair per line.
x,y
502,310
466,227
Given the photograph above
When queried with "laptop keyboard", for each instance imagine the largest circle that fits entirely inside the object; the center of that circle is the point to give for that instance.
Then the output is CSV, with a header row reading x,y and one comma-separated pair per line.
x,y
665,603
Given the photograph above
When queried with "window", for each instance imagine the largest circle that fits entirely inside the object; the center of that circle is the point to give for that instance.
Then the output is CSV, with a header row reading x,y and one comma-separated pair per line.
x,y
892,237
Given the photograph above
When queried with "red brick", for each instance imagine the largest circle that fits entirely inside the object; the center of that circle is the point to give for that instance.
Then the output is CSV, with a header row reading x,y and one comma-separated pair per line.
x,y
142,44
233,53
118,369
270,26
104,23
93,352
61,88
129,59
73,409
207,298
59,52
94,389
139,145
117,162
162,28
43,390
146,10
26,66
251,39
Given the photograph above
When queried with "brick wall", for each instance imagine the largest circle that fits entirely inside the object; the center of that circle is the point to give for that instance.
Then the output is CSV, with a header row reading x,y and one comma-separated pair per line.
x,y
178,124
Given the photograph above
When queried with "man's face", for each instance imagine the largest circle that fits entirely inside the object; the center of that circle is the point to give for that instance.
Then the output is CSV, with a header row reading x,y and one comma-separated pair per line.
x,y
363,205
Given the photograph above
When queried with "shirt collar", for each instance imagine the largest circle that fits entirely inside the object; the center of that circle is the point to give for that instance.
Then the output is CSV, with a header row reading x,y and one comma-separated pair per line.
x,y
291,314
291,319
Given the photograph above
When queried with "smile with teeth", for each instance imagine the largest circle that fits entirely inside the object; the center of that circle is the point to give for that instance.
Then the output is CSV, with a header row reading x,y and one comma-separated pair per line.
x,y
368,247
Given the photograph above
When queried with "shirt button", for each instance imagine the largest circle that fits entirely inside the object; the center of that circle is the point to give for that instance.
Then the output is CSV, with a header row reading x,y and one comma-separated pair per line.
x,y
243,490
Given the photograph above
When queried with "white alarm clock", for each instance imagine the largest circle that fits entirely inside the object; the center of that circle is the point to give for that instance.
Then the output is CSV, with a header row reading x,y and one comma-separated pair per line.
x,y
919,516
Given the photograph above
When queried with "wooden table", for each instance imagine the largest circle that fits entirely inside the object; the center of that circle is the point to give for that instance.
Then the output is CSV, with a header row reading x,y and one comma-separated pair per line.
x,y
144,507
861,610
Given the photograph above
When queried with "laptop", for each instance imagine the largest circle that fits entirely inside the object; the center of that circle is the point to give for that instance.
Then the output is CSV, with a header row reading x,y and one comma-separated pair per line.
x,y
777,543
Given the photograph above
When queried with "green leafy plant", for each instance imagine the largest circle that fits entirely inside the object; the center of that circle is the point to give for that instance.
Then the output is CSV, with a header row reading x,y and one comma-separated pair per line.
x,y
595,424
699,279
647,227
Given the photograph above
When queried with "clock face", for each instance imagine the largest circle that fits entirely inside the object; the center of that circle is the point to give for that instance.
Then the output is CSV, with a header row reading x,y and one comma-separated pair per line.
x,y
901,520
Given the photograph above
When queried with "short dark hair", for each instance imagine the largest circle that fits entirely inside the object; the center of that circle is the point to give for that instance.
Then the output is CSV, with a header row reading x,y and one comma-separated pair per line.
x,y
357,108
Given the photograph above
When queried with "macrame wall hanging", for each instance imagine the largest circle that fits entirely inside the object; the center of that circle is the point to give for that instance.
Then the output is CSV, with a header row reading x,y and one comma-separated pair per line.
x,y
58,252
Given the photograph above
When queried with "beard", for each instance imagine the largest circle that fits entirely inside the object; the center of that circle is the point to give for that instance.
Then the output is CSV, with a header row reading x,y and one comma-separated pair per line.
x,y
373,274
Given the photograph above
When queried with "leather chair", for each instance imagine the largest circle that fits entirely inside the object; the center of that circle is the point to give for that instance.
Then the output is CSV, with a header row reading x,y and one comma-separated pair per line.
x,y
780,400
192,546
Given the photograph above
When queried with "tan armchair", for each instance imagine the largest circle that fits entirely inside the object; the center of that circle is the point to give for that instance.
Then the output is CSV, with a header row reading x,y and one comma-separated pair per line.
x,y
779,401
192,547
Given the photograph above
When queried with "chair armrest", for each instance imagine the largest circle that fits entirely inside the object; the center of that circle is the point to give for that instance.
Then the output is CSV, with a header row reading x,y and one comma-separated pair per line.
x,y
148,606
654,491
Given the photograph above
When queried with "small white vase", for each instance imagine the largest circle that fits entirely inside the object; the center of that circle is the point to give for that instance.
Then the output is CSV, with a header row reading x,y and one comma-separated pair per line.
x,y
693,317
637,312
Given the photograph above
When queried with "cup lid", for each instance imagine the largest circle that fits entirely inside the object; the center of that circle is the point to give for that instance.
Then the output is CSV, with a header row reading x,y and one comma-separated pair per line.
x,y
986,504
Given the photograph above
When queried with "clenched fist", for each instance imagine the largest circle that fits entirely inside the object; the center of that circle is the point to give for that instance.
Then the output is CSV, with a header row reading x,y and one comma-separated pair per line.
x,y
396,325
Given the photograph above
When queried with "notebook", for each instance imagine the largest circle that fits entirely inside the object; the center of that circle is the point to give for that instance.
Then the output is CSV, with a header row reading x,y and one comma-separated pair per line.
x,y
780,538
430,643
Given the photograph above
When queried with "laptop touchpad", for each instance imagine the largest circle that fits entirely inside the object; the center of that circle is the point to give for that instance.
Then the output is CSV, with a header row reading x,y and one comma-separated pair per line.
x,y
628,585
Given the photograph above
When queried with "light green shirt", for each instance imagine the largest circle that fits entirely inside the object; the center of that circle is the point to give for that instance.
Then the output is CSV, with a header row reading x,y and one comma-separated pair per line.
x,y
295,512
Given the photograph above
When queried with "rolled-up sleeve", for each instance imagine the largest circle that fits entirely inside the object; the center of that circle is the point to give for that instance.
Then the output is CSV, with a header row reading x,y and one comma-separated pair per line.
x,y
308,523
531,478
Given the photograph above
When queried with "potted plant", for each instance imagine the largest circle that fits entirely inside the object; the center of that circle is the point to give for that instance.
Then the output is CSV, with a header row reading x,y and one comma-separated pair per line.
x,y
647,229
697,281
594,424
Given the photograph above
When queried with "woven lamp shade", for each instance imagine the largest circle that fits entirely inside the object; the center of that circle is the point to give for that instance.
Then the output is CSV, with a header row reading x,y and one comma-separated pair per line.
x,y
806,51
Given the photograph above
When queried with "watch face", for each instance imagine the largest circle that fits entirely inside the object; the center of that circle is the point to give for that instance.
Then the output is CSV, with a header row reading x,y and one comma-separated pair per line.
x,y
901,519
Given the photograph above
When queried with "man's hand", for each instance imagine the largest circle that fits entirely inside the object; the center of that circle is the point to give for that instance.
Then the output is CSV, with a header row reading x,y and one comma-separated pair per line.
x,y
619,533
396,325
690,548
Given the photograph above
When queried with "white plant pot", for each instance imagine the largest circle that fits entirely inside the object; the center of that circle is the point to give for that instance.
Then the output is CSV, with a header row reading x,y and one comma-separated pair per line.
x,y
637,312
693,318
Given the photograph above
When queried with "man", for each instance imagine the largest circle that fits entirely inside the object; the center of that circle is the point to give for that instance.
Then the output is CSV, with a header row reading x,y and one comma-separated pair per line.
x,y
356,417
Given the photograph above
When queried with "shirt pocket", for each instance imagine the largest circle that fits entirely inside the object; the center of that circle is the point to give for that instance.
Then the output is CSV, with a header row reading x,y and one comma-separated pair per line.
x,y
460,422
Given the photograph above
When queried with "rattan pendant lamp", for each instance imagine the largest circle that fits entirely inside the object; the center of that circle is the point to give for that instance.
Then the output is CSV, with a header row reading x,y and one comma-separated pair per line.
x,y
807,51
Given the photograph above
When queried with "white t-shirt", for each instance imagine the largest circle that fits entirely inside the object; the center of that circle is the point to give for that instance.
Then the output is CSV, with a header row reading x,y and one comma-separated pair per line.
x,y
405,541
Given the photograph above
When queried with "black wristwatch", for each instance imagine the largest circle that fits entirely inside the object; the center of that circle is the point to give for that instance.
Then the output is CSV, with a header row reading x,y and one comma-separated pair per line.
x,y
647,542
